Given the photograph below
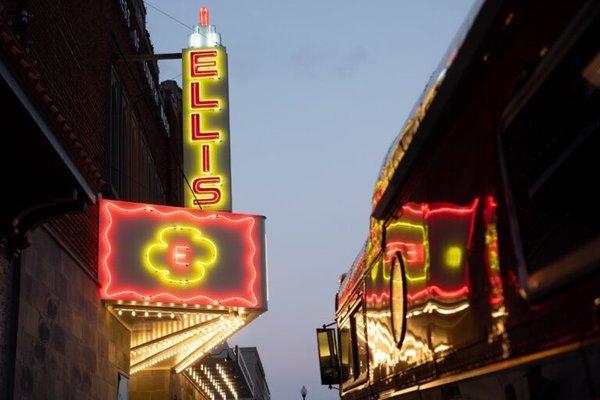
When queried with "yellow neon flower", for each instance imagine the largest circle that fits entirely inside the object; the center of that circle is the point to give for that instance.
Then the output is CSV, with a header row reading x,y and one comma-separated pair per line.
x,y
180,255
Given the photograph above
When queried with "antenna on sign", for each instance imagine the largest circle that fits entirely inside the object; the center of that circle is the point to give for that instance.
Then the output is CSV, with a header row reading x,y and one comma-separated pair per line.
x,y
204,17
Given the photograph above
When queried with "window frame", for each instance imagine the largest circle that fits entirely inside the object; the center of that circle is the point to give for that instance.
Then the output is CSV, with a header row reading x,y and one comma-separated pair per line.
x,y
132,168
570,266
357,377
354,343
340,334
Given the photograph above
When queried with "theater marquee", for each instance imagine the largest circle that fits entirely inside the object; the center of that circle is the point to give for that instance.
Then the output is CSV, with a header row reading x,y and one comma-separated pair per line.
x,y
158,253
183,280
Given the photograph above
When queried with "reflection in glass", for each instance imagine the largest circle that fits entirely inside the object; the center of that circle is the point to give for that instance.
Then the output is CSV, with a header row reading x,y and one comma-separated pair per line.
x,y
492,261
398,310
346,353
420,287
358,322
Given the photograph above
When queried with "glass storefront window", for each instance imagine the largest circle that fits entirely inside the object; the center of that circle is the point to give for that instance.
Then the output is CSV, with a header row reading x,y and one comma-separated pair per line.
x,y
346,353
360,342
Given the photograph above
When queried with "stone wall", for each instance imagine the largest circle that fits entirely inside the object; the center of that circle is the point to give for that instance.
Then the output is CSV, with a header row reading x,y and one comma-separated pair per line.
x,y
149,385
69,346
182,389
162,385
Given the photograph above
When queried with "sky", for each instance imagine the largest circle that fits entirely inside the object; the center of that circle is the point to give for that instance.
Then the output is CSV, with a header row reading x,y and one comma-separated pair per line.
x,y
318,90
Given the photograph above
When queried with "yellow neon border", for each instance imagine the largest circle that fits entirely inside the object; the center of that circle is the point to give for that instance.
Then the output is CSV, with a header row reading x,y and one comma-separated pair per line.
x,y
421,228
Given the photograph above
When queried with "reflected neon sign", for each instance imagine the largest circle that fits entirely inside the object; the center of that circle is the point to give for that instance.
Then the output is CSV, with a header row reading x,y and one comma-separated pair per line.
x,y
433,240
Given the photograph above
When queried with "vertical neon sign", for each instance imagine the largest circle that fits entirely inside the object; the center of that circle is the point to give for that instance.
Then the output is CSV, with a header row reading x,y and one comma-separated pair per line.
x,y
206,148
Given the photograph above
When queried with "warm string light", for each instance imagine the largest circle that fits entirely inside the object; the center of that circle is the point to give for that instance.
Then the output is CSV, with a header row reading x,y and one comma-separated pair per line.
x,y
200,382
231,327
227,380
143,356
179,348
158,346
150,312
176,346
213,381
188,347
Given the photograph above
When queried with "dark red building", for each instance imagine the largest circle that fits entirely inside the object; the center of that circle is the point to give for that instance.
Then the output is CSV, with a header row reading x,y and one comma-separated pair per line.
x,y
82,118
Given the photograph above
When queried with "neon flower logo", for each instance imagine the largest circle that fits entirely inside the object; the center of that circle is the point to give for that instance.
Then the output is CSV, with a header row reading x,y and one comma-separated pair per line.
x,y
157,253
180,255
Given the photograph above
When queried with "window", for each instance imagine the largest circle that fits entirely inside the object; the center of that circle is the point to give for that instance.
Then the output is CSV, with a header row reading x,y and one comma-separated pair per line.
x,y
133,172
353,346
123,387
549,147
359,341
346,353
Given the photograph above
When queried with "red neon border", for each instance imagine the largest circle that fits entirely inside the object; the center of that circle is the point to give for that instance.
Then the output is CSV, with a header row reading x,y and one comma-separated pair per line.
x,y
425,293
105,204
456,210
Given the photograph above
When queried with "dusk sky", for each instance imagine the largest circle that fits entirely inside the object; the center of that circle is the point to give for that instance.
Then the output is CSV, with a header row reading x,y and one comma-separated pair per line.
x,y
318,91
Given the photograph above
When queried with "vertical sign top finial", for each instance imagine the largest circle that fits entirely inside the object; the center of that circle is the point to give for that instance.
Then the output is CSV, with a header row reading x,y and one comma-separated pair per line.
x,y
204,16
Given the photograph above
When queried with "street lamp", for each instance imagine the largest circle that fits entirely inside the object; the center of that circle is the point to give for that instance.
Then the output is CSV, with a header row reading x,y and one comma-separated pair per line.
x,y
303,392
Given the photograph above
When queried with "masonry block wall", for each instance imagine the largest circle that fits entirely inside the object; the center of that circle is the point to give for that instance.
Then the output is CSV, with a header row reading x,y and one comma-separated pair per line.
x,y
149,385
161,385
69,346
182,388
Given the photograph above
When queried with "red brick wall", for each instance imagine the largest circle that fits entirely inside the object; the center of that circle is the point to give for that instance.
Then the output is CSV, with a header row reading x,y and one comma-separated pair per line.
x,y
73,45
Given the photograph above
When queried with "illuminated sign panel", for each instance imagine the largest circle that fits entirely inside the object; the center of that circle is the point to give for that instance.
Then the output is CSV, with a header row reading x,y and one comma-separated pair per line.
x,y
206,150
151,253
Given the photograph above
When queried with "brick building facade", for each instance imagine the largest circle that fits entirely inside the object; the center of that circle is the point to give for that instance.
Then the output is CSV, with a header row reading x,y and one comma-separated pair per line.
x,y
82,120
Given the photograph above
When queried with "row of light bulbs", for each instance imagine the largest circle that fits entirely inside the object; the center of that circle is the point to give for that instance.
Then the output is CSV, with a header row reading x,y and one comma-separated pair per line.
x,y
157,347
214,382
154,331
184,305
203,386
146,313
199,342
176,349
227,380
233,325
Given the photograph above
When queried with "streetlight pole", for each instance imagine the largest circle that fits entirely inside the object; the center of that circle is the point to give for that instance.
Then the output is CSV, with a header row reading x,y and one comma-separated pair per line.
x,y
303,392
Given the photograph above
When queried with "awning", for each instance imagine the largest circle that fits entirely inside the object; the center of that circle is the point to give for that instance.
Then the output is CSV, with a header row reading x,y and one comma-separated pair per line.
x,y
182,280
